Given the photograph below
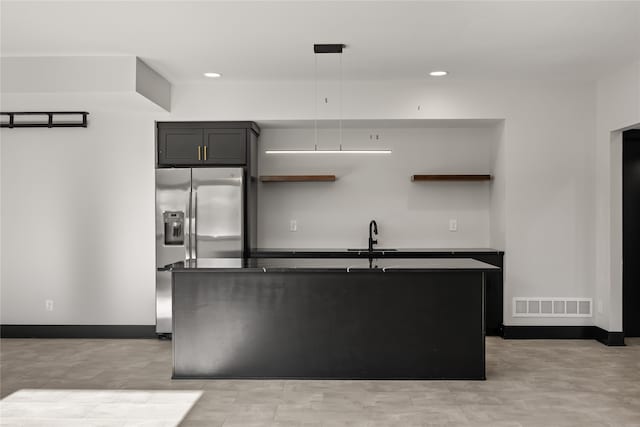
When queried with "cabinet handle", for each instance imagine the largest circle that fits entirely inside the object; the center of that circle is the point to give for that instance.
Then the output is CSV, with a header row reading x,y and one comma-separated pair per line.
x,y
205,152
199,157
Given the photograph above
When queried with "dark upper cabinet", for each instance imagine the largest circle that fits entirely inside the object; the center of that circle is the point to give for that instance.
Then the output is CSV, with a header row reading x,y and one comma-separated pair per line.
x,y
178,146
204,143
225,146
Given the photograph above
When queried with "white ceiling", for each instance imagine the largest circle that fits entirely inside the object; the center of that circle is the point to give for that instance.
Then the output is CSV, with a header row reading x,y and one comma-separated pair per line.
x,y
386,40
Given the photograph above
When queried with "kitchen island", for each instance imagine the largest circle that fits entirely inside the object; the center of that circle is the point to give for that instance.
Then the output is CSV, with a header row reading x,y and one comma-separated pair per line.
x,y
329,318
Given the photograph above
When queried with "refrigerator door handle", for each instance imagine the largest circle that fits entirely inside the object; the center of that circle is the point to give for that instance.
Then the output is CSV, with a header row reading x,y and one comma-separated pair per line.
x,y
194,234
188,237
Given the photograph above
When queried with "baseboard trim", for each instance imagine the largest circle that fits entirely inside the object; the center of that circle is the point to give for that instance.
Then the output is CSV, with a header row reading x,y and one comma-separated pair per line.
x,y
548,332
608,338
78,331
149,331
564,333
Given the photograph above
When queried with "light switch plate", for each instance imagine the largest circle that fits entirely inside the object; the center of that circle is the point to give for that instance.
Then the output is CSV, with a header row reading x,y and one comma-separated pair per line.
x,y
453,225
293,225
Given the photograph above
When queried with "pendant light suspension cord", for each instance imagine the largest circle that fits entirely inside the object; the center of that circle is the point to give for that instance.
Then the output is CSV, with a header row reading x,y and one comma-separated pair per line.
x,y
340,106
315,101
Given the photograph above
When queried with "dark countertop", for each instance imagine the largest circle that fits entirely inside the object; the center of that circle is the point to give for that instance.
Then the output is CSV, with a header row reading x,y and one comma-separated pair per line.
x,y
363,252
328,264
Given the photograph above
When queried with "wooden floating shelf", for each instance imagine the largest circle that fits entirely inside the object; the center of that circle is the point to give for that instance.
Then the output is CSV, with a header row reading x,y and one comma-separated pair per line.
x,y
450,177
297,178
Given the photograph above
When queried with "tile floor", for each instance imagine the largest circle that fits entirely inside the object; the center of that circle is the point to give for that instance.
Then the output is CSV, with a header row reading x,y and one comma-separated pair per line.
x,y
530,383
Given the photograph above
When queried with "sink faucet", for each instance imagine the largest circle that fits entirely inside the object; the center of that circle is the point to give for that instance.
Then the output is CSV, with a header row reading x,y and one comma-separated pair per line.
x,y
373,229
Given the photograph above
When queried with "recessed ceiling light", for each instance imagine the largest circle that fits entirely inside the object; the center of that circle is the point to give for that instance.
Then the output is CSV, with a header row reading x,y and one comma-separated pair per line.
x,y
438,73
213,75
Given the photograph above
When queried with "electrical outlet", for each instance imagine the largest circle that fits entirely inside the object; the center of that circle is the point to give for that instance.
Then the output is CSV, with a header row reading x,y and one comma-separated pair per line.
x,y
48,305
453,225
293,225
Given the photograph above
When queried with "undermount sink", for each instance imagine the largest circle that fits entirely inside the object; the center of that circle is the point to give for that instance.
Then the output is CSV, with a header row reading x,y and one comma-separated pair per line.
x,y
374,250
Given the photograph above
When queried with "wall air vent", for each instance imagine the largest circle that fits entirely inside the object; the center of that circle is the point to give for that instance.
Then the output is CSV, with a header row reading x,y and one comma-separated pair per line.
x,y
552,307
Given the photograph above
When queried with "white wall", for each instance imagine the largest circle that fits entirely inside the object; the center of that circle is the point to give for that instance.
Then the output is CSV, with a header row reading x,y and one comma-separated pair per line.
x,y
497,221
409,214
618,108
547,143
549,197
77,218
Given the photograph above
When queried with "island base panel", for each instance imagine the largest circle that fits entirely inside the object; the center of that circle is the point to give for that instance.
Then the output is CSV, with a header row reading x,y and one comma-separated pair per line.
x,y
405,325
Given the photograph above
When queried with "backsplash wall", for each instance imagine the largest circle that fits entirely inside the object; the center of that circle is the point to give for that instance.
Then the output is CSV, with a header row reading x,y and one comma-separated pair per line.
x,y
409,214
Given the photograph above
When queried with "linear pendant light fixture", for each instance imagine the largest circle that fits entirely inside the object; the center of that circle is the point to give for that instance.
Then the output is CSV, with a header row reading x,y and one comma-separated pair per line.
x,y
327,48
327,151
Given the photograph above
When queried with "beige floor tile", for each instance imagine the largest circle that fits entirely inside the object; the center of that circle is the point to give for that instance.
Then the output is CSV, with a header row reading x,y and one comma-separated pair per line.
x,y
529,383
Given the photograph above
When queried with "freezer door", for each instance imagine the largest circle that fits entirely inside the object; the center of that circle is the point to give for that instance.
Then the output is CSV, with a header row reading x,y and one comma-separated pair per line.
x,y
173,191
173,198
218,206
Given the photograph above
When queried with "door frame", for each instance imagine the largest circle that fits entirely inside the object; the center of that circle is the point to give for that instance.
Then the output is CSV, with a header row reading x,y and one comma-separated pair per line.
x,y
624,286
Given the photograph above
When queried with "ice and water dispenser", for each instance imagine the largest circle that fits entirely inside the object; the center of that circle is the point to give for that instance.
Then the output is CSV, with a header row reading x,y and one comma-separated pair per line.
x,y
173,228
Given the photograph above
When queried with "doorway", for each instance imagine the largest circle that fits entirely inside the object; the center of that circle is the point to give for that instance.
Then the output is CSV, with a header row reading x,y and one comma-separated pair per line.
x,y
631,233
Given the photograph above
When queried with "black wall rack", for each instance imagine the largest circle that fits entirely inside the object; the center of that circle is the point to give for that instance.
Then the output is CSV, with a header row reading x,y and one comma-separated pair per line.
x,y
50,121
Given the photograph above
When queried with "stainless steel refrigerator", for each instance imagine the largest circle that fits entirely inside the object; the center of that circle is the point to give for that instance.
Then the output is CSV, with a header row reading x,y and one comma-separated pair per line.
x,y
199,214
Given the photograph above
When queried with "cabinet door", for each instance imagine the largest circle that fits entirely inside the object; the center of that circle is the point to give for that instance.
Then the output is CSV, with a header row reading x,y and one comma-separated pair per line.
x,y
225,146
180,146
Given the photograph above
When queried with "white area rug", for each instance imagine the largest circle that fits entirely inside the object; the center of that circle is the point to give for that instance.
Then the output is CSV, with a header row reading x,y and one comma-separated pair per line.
x,y
99,408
